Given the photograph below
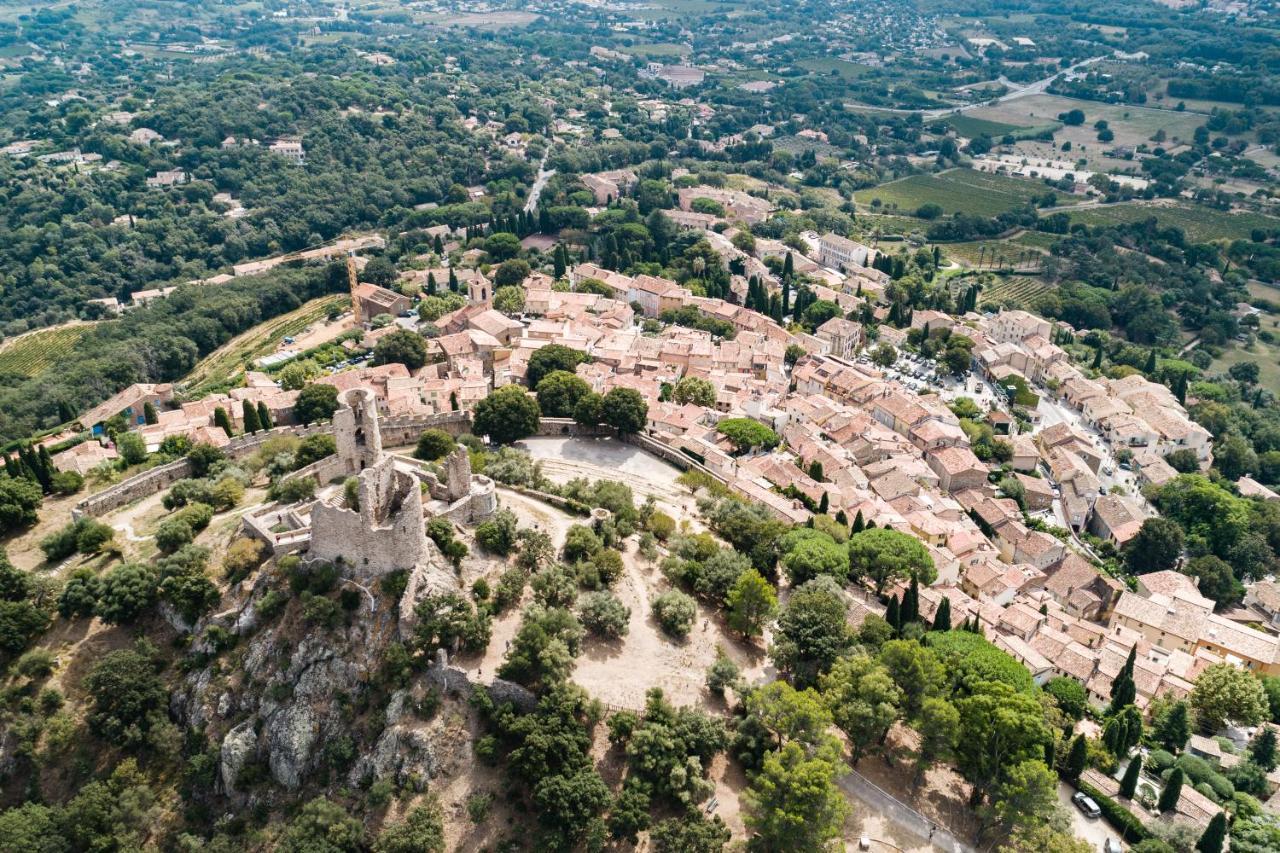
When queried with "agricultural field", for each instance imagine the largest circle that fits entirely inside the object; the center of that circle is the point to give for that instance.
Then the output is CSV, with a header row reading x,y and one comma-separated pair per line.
x,y
225,364
956,190
35,352
1020,290
1199,223
968,125
824,65
1131,125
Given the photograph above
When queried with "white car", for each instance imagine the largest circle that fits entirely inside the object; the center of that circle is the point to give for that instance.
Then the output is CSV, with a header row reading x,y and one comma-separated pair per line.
x,y
1112,845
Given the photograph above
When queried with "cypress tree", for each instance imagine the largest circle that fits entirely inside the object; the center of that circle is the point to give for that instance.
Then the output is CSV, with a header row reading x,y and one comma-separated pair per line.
x,y
264,416
1174,728
823,505
841,518
942,619
786,296
788,266
858,523
560,265
453,280
1129,784
1076,759
911,603
149,413
220,418
453,401
1262,751
47,469
1097,357
438,246
1172,792
892,615
249,414
1214,834
1150,369
431,284
12,470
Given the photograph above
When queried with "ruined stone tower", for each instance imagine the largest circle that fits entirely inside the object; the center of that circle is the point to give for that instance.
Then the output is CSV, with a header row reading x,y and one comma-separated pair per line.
x,y
356,432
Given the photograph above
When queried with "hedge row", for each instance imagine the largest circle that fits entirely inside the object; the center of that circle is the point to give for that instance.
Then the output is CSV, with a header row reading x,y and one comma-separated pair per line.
x,y
1131,829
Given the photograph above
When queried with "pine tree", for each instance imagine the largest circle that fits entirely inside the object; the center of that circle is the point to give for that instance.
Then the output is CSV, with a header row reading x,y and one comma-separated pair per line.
x,y
892,614
942,619
1172,792
221,419
249,414
858,523
1214,834
1076,759
264,416
1129,784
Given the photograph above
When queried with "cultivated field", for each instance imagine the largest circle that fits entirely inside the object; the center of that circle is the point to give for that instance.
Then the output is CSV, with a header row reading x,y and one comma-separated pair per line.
x,y
1199,223
966,124
956,190
35,352
1015,289
824,65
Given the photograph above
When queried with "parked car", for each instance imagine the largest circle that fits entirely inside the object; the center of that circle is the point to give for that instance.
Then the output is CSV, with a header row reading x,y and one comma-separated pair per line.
x,y
1112,845
1086,804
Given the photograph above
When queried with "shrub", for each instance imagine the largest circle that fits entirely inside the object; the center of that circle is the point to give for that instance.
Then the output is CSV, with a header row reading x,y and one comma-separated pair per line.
x,y
37,663
196,515
580,543
127,592
509,588
661,525
243,556
1130,828
172,535
1158,760
675,612
603,615
293,490
67,482
555,586
722,673
498,534
434,444
80,595
59,544
322,612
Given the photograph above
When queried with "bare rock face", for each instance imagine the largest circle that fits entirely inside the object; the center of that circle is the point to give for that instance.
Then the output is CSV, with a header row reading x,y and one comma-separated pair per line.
x,y
403,752
238,747
292,734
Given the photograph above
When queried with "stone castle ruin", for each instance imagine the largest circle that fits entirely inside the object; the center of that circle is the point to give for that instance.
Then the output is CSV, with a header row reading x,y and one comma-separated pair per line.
x,y
380,526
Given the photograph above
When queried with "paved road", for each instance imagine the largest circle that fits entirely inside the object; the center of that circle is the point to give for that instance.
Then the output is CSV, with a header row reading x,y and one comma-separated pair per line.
x,y
535,192
1093,830
1039,87
900,814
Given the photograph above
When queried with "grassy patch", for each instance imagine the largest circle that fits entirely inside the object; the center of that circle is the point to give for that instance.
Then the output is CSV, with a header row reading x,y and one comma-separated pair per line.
x,y
955,190
1199,223
824,65
1267,357
36,352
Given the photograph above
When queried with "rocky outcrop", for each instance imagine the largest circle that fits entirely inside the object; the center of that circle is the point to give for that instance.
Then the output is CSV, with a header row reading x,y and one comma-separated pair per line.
x,y
292,733
432,575
238,747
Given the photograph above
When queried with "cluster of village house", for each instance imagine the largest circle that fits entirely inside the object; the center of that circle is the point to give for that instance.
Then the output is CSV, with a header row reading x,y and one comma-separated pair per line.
x,y
894,456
